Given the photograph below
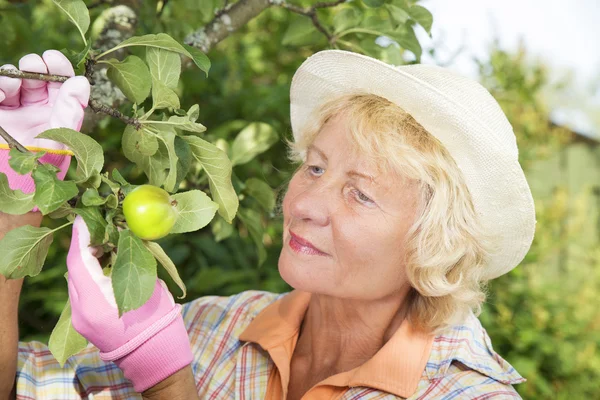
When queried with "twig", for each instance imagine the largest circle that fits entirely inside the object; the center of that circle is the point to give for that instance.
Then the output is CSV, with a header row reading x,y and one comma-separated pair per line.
x,y
12,142
95,105
311,12
162,8
13,73
98,107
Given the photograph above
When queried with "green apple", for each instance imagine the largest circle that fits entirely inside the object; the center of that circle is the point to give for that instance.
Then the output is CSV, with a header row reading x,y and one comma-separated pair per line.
x,y
149,212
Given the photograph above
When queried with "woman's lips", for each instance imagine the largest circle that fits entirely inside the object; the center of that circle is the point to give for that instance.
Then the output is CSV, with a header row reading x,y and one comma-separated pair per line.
x,y
300,245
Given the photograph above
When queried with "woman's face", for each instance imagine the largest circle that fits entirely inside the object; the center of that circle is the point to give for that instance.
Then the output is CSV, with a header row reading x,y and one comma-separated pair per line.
x,y
355,216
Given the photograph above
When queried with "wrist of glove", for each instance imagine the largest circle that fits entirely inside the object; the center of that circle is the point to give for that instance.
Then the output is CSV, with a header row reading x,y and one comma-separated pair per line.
x,y
149,343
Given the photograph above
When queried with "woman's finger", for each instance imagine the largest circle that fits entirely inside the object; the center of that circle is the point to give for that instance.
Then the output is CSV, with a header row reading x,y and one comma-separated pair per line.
x,y
10,88
57,64
33,91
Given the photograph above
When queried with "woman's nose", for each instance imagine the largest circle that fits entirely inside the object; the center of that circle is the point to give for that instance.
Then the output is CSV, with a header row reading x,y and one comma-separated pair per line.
x,y
311,203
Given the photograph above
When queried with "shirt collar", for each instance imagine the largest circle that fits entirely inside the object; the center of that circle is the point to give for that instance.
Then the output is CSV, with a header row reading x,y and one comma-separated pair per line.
x,y
396,368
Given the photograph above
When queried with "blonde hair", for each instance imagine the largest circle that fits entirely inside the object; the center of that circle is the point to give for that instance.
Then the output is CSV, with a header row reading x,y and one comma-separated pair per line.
x,y
447,248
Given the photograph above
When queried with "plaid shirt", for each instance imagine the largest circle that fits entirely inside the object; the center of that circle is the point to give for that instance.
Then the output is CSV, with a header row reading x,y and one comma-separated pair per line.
x,y
227,336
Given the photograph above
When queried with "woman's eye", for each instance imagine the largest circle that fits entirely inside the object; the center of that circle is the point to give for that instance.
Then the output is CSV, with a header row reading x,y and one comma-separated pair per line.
x,y
362,197
314,170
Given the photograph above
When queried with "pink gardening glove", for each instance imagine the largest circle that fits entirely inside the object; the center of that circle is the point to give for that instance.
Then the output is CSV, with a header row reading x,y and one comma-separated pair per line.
x,y
149,343
29,107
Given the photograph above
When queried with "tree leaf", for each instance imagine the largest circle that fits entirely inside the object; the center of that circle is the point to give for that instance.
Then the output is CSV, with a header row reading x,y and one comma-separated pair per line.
x,y
131,76
300,32
88,152
164,66
398,15
64,340
199,58
163,97
91,198
251,219
195,210
218,169
254,139
116,175
14,202
262,192
422,16
95,222
140,141
166,42
405,36
221,229
134,273
24,250
184,159
77,12
374,3
50,192
167,136
23,163
167,263
347,17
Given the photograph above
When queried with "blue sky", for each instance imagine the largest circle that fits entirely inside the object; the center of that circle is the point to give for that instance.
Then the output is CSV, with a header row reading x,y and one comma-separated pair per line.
x,y
565,35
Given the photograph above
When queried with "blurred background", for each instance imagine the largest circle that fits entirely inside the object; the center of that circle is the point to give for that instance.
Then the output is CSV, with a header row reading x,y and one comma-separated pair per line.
x,y
540,60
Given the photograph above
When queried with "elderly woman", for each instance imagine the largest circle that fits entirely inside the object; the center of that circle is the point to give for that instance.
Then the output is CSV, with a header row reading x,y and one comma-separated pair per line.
x,y
408,199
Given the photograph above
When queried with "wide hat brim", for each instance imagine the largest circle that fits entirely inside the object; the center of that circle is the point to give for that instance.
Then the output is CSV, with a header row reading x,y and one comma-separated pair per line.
x,y
459,112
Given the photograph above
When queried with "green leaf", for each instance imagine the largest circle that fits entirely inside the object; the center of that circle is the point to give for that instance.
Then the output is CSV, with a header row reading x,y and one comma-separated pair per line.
x,y
164,65
251,219
184,159
254,139
131,76
405,36
262,192
167,263
199,58
347,17
398,15
92,198
166,42
195,210
112,201
95,222
300,32
221,229
51,192
116,175
134,273
111,233
141,141
163,97
185,123
168,138
14,202
218,168
88,152
78,14
24,250
64,340
23,163
61,212
422,16
374,3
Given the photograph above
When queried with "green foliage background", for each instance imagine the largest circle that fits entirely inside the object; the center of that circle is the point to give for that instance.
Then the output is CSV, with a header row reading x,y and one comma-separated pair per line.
x,y
543,317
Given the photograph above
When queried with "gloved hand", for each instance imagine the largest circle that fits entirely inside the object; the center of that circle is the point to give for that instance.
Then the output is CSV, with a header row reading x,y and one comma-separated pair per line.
x,y
29,107
149,343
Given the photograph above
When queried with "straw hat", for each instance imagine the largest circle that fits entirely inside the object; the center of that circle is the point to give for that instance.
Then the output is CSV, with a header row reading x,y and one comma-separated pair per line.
x,y
459,112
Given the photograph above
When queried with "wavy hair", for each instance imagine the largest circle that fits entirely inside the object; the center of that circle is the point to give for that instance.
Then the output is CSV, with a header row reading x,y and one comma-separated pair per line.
x,y
447,248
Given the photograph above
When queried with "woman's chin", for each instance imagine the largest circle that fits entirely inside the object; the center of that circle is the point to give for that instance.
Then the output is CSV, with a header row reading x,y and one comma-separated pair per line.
x,y
298,276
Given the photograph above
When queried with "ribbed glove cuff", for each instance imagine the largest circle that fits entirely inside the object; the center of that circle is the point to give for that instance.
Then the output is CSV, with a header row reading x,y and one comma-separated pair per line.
x,y
158,357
